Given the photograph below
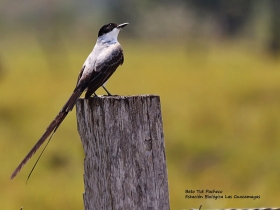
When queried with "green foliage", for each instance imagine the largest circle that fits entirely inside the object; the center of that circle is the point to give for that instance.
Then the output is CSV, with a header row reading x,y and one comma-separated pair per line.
x,y
220,107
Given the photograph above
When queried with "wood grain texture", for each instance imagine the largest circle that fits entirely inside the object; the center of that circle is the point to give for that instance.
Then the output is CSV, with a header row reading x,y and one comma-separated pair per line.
x,y
125,163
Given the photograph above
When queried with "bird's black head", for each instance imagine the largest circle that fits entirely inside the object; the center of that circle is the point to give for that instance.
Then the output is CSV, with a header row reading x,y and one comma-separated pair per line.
x,y
107,28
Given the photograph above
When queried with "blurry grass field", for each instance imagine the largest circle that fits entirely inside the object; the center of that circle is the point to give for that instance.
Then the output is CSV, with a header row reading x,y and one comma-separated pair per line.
x,y
221,118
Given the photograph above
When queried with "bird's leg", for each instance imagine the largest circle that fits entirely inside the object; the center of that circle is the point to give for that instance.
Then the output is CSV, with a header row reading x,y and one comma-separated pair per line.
x,y
109,94
94,95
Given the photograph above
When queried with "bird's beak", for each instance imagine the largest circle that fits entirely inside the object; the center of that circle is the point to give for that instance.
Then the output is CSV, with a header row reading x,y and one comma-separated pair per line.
x,y
120,26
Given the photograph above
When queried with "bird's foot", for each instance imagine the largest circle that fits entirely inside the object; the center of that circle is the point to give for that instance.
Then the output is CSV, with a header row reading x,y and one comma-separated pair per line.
x,y
110,95
94,95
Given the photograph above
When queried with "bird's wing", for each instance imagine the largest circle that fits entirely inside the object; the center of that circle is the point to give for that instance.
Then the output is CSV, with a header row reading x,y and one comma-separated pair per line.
x,y
105,66
80,75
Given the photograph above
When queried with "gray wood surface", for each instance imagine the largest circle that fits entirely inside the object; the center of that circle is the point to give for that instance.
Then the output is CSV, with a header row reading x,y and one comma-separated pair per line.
x,y
125,164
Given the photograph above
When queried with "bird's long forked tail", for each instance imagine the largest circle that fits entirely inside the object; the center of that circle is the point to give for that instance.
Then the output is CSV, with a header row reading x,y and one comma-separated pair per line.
x,y
49,131
52,128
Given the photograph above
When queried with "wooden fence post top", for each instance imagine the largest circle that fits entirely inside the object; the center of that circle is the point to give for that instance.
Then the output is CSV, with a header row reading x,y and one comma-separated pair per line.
x,y
125,164
118,97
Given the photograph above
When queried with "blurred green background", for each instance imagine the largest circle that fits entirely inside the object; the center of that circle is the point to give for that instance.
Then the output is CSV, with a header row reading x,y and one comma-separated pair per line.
x,y
215,65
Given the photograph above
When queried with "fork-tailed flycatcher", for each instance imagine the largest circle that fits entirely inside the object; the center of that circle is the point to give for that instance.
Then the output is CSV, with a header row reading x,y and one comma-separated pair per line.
x,y
101,63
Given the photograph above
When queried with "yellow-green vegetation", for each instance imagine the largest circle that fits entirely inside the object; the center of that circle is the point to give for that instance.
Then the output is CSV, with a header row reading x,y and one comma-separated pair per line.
x,y
220,107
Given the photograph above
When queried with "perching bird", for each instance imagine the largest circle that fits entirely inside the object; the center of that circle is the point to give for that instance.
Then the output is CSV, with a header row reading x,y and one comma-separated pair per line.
x,y
101,63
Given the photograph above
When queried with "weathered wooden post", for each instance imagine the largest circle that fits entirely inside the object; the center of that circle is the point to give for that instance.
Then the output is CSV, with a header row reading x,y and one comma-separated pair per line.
x,y
125,164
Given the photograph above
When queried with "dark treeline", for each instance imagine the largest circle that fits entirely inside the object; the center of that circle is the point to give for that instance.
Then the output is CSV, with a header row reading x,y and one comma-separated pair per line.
x,y
50,20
